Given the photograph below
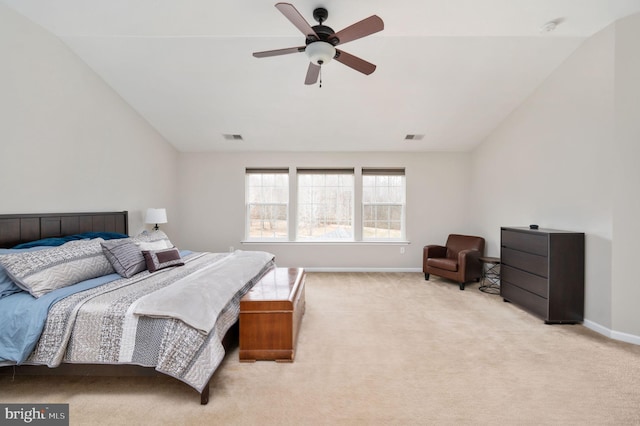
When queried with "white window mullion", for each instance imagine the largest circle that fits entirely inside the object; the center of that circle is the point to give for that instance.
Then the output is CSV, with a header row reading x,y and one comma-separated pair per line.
x,y
357,206
293,204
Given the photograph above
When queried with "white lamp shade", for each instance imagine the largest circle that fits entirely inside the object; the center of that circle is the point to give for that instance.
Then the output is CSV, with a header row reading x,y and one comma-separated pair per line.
x,y
320,52
156,216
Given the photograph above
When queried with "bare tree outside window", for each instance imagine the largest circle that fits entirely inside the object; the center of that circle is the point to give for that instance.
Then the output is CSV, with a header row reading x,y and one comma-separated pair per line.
x,y
267,204
383,204
325,205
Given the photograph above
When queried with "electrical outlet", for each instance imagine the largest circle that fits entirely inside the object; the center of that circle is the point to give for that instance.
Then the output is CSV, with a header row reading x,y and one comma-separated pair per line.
x,y
401,250
231,249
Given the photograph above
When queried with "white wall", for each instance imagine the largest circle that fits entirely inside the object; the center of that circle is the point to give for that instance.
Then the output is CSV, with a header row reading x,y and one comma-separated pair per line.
x,y
437,194
68,142
559,161
626,172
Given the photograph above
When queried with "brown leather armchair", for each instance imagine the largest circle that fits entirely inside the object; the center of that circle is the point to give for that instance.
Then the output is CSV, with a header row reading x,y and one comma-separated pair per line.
x,y
459,260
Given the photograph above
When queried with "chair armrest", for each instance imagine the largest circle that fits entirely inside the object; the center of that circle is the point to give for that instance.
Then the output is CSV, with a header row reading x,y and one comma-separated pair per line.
x,y
430,252
469,262
434,251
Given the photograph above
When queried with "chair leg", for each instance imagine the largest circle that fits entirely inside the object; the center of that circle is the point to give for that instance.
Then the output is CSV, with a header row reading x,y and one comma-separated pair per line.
x,y
426,277
461,286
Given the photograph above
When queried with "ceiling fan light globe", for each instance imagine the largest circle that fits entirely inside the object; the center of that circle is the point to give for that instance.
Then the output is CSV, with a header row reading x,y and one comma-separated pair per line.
x,y
320,52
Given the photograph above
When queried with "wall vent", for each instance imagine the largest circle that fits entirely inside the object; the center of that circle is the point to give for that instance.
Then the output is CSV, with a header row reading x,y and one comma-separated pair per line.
x,y
413,137
231,137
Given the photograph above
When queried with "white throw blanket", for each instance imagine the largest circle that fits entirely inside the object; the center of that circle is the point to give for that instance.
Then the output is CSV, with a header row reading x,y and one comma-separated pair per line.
x,y
199,298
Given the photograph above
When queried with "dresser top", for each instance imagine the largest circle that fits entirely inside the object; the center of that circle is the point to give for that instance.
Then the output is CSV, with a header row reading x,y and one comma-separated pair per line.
x,y
539,230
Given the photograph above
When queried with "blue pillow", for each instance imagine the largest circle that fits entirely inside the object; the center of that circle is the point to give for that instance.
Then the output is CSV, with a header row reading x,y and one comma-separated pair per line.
x,y
7,286
58,241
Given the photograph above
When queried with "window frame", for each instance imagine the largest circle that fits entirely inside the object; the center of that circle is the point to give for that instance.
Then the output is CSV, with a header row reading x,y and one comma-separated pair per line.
x,y
357,207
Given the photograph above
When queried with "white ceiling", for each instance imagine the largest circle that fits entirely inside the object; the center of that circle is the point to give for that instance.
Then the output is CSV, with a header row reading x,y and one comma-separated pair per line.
x,y
450,70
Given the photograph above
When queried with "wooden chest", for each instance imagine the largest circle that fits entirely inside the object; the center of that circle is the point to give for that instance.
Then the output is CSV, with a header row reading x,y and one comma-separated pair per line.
x,y
270,316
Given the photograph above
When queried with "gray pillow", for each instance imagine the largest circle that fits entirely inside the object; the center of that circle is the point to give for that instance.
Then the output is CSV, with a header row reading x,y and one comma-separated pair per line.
x,y
7,286
125,257
40,272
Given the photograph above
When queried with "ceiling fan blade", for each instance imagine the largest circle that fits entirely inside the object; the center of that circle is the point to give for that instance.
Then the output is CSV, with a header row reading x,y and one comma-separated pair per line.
x,y
292,14
278,52
354,62
312,73
367,26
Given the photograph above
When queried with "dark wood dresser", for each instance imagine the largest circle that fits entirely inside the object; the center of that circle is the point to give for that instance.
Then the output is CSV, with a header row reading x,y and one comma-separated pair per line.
x,y
542,271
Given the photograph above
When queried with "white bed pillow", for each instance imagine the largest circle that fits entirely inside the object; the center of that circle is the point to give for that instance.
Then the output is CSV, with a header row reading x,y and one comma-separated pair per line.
x,y
154,245
155,240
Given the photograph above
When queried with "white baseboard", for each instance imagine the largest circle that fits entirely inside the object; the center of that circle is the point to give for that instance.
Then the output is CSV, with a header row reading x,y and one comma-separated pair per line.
x,y
361,269
617,335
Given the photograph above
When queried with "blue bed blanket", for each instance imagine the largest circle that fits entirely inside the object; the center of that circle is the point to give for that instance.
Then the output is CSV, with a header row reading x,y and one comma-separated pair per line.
x,y
22,318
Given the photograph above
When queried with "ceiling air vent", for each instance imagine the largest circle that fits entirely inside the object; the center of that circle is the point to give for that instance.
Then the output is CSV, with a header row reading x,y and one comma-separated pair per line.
x,y
229,137
413,137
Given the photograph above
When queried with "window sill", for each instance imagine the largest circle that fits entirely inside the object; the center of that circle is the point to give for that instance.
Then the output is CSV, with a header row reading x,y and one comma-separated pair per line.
x,y
328,243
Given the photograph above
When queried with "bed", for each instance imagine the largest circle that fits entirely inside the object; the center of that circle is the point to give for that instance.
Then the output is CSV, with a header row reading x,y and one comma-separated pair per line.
x,y
84,303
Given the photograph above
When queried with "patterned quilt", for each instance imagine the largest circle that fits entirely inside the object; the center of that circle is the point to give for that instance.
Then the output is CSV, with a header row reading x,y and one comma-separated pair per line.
x,y
99,326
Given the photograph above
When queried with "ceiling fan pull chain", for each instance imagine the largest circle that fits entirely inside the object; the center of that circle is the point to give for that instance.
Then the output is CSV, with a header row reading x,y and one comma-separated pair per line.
x,y
320,76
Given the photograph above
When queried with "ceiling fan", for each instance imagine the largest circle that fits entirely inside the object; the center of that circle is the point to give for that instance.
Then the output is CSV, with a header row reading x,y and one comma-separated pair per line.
x,y
321,41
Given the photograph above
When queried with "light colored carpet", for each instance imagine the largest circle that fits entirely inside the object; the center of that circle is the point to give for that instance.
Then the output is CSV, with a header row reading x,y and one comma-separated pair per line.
x,y
385,348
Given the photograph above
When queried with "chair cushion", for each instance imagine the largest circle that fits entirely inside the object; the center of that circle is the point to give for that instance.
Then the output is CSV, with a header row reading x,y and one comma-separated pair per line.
x,y
443,263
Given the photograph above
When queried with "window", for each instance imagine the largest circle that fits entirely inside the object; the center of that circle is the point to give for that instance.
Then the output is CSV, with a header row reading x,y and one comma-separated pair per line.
x,y
267,203
383,204
325,204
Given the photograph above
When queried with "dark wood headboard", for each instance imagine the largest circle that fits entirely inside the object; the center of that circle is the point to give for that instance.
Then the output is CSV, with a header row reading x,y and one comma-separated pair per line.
x,y
20,228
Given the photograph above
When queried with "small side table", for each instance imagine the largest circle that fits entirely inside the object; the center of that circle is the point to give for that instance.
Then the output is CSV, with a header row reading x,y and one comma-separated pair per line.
x,y
490,282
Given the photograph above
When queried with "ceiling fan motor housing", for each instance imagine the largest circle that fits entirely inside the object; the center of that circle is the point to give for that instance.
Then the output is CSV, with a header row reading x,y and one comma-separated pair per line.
x,y
322,49
324,33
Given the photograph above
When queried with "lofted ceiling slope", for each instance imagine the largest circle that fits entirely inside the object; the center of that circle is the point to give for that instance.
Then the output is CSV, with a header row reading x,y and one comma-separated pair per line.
x,y
448,70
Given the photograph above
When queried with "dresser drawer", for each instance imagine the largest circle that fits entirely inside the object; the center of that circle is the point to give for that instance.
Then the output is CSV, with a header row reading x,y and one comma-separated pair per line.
x,y
525,280
525,241
526,261
531,302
